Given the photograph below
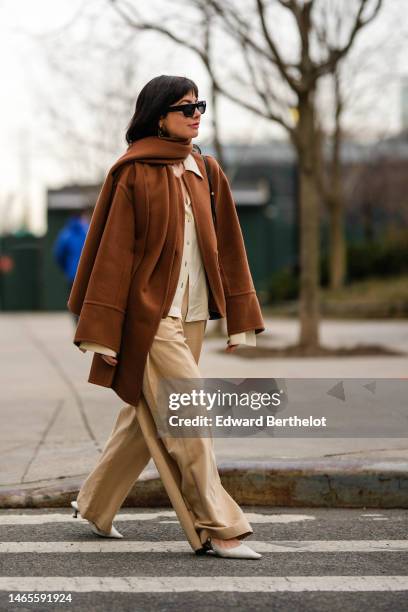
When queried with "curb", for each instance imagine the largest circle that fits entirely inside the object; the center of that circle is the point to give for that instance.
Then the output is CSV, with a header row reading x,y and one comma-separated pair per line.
x,y
325,482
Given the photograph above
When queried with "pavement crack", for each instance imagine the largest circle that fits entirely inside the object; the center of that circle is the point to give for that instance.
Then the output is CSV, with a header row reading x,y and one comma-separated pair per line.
x,y
13,448
42,348
43,438
359,452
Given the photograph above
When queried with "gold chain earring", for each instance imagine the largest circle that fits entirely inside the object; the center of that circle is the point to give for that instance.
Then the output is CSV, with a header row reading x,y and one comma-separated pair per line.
x,y
160,132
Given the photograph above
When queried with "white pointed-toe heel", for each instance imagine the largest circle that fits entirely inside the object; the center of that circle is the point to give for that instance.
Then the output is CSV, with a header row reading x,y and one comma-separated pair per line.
x,y
114,533
242,551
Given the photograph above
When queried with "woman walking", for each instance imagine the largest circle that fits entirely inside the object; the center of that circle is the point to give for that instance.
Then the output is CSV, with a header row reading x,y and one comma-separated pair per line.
x,y
154,268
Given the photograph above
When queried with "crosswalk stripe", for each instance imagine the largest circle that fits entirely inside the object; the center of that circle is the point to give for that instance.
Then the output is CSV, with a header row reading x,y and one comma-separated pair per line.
x,y
174,584
66,517
180,546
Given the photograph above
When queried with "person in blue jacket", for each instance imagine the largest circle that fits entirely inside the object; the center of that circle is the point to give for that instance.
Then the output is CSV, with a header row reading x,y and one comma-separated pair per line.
x,y
69,243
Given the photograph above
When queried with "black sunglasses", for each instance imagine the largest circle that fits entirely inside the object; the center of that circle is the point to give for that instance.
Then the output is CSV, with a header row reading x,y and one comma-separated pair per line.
x,y
188,110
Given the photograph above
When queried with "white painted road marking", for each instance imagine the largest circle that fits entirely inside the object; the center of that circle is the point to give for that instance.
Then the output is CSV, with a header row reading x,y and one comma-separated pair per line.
x,y
177,584
42,519
66,517
180,546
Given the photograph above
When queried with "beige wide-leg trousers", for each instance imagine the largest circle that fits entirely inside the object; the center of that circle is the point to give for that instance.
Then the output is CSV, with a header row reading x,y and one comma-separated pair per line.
x,y
187,466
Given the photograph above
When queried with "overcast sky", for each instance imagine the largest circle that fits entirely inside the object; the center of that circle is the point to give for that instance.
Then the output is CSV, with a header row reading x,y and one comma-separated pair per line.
x,y
31,31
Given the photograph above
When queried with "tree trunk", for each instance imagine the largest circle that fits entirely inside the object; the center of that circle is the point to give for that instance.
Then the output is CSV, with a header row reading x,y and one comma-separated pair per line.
x,y
220,328
337,242
309,226
219,152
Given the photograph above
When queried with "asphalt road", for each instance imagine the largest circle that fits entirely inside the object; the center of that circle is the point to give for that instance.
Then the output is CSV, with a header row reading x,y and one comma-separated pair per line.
x,y
313,559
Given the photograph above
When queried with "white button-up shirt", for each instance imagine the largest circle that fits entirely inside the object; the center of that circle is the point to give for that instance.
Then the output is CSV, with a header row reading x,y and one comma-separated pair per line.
x,y
192,268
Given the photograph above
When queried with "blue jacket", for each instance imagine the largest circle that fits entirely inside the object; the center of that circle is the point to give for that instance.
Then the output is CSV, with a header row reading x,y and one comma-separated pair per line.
x,y
68,246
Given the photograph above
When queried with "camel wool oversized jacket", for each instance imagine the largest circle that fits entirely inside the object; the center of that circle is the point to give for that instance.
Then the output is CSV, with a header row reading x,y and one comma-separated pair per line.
x,y
130,263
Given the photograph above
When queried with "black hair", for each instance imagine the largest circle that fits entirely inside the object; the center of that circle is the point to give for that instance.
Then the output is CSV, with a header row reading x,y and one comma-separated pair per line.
x,y
153,100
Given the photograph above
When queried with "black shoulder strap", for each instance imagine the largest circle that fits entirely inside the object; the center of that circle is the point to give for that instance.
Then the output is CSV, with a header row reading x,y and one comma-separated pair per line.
x,y
208,169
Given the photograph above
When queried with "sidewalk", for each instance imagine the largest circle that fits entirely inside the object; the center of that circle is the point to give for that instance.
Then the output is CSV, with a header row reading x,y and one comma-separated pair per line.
x,y
55,423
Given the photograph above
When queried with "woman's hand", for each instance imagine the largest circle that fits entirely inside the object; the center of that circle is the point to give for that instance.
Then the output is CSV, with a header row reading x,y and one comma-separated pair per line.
x,y
231,348
112,361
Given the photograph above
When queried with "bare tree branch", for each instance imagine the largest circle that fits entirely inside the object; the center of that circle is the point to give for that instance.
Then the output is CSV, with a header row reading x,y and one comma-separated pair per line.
x,y
264,93
239,29
155,27
283,69
337,53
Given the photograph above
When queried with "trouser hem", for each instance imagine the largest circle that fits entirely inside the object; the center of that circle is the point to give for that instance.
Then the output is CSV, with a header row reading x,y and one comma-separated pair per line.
x,y
239,531
94,519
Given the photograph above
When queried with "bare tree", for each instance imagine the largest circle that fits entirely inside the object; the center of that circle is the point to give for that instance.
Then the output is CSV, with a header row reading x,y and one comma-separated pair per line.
x,y
350,95
84,125
330,184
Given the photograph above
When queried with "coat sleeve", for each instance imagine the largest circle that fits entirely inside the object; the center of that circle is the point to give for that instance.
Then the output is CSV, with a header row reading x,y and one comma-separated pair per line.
x,y
102,314
242,306
247,337
97,348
